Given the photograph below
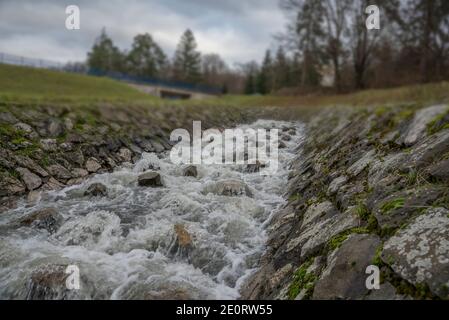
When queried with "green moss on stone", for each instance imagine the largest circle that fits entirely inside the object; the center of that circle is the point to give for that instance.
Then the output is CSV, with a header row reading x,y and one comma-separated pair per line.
x,y
302,280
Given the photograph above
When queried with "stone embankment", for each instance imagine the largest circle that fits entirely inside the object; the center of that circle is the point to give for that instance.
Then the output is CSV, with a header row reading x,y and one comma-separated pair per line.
x,y
46,147
368,187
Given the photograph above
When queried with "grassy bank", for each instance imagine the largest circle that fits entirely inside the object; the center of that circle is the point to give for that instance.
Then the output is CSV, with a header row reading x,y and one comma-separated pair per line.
x,y
24,85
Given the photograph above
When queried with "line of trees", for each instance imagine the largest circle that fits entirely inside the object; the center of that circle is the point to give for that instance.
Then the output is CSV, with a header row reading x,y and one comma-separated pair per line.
x,y
147,59
411,46
327,42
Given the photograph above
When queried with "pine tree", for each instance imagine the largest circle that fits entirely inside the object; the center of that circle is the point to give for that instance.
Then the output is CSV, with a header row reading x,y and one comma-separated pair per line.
x,y
265,77
187,61
282,76
250,84
309,32
105,57
146,58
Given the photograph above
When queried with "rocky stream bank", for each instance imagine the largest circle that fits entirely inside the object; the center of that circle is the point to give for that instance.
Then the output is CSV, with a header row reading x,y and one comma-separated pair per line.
x,y
368,187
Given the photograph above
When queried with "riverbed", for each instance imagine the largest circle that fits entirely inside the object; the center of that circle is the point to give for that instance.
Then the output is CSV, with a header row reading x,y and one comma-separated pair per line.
x,y
125,243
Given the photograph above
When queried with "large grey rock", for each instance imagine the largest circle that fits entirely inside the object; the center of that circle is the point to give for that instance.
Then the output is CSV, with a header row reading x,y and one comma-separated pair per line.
x,y
428,150
125,154
150,179
96,189
229,187
362,163
440,170
7,118
420,252
386,291
47,283
313,237
344,277
336,184
318,211
27,129
79,173
31,180
49,144
92,165
26,162
190,171
158,147
55,128
418,128
59,172
381,168
48,219
397,208
10,186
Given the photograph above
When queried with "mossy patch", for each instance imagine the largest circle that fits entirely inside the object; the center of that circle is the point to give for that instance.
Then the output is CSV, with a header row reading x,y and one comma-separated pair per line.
x,y
336,241
439,123
302,280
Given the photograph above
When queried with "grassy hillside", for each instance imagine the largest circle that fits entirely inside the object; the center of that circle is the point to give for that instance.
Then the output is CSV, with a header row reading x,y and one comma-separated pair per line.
x,y
23,83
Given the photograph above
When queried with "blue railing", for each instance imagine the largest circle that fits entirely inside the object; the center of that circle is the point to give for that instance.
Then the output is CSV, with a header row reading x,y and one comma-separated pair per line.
x,y
29,62
200,88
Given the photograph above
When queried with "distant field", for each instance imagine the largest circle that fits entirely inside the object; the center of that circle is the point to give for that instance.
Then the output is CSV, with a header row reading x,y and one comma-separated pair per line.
x,y
23,84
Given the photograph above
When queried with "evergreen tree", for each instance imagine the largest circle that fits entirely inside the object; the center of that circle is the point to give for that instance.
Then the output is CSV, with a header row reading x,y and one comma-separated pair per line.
x,y
105,57
187,61
250,84
282,76
146,58
264,79
309,32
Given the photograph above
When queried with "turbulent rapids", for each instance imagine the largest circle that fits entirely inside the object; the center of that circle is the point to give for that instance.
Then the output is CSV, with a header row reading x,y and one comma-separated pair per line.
x,y
177,241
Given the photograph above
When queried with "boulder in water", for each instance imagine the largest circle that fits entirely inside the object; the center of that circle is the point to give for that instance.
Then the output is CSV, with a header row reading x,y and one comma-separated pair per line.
x,y
47,283
229,187
255,167
150,179
183,237
190,171
96,189
48,219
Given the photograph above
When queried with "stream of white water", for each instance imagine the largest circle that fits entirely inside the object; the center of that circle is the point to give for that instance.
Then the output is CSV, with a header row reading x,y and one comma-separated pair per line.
x,y
123,242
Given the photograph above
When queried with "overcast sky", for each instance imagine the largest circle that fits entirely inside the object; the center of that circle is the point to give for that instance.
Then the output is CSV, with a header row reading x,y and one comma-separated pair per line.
x,y
239,30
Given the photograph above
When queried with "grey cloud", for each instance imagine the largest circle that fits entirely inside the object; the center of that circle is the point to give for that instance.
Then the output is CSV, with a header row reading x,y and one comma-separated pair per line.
x,y
239,30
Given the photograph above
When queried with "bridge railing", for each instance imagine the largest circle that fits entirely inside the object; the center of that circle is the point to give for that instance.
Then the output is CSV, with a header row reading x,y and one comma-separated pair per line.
x,y
200,88
7,58
53,65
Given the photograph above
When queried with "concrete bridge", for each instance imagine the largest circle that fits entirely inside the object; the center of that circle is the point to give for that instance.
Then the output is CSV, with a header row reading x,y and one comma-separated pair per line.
x,y
169,92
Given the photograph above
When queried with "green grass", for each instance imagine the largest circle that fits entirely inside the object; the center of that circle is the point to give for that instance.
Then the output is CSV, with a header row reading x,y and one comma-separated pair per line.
x,y
29,84
392,205
302,280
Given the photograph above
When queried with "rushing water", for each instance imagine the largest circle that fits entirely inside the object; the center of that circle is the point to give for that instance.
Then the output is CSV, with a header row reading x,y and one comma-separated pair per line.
x,y
124,243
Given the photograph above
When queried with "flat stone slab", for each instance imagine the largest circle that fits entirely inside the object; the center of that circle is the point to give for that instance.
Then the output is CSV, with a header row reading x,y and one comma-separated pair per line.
x,y
418,128
420,252
344,276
